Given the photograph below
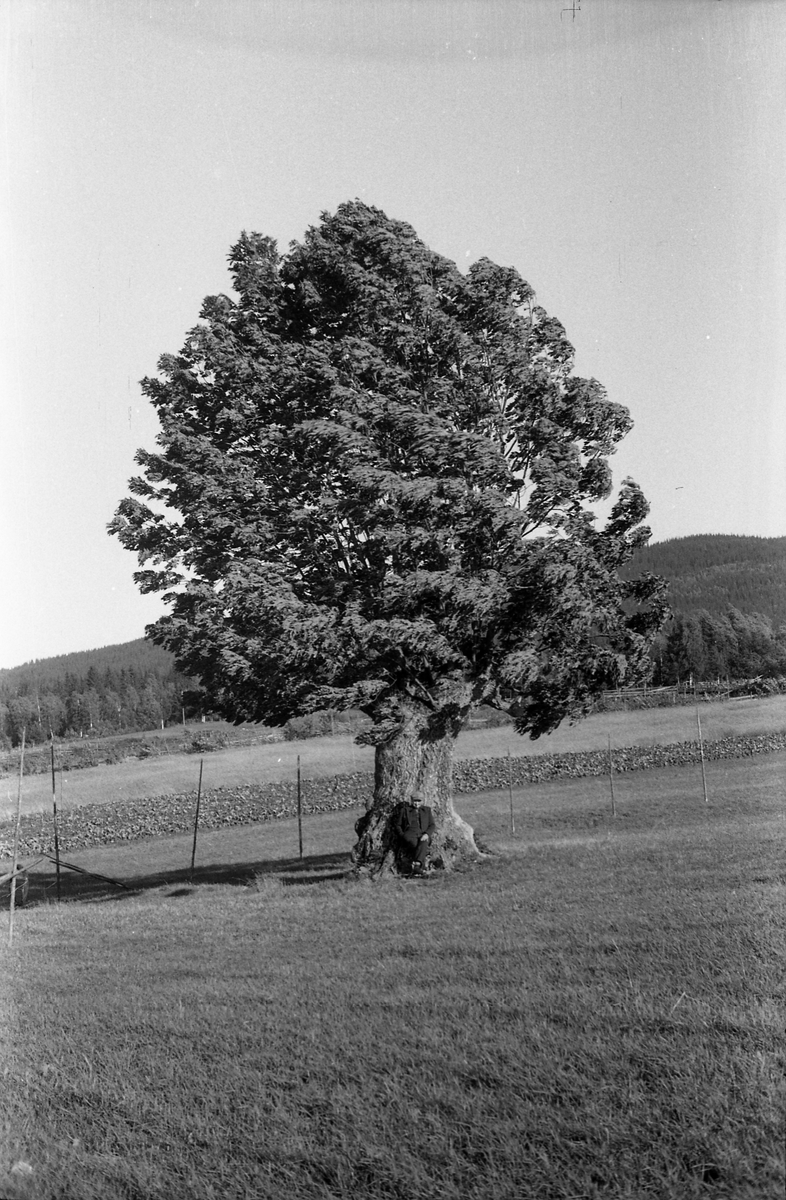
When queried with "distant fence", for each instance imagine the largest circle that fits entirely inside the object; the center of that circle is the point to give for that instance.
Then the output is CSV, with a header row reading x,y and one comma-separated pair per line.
x,y
75,753
95,752
625,699
643,697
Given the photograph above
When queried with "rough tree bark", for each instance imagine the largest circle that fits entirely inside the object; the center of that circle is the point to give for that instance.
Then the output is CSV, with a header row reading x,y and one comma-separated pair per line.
x,y
418,756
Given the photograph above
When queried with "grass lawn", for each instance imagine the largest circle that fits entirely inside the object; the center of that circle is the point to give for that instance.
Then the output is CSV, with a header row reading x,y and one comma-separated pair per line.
x,y
594,1011
322,757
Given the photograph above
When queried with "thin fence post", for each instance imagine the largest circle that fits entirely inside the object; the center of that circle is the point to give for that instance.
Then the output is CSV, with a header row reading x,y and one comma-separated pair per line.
x,y
701,752
196,818
299,809
16,839
611,780
510,794
54,817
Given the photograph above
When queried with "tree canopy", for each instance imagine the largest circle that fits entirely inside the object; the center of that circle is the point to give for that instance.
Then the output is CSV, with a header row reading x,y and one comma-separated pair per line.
x,y
371,490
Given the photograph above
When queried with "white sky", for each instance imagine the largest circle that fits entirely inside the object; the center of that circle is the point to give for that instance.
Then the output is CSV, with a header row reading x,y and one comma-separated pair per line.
x,y
628,159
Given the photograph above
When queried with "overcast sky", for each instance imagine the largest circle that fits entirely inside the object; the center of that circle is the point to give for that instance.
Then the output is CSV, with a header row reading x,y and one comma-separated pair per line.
x,y
627,156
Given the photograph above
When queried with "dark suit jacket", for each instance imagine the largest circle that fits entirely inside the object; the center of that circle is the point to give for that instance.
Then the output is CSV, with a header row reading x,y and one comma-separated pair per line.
x,y
412,821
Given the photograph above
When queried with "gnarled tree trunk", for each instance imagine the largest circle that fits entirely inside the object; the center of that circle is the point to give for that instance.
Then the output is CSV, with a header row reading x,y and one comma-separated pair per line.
x,y
418,756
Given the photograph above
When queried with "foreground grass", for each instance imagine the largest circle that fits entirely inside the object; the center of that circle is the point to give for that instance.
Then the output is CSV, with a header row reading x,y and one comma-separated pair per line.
x,y
322,757
596,1011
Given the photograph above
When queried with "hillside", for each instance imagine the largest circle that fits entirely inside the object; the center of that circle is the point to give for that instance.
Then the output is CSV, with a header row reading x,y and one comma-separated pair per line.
x,y
728,596
47,673
713,571
124,688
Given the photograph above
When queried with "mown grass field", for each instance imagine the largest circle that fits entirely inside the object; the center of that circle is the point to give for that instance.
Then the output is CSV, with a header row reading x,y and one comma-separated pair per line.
x,y
322,757
596,1010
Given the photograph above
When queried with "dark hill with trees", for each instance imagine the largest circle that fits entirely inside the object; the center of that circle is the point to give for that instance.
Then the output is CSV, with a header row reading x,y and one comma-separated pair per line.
x,y
712,571
728,596
124,688
140,655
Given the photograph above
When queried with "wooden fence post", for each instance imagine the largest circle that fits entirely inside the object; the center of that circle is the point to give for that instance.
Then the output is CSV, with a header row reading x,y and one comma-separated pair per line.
x,y
16,839
54,818
196,819
299,809
701,752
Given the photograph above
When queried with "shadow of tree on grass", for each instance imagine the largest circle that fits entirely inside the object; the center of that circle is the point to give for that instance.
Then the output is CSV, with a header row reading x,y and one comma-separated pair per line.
x,y
290,872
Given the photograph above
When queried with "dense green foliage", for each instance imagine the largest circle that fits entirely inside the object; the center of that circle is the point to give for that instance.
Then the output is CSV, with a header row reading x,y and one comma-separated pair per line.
x,y
117,689
375,474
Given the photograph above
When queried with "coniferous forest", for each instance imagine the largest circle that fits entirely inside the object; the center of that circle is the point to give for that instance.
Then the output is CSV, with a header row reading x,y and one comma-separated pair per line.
x,y
728,596
126,688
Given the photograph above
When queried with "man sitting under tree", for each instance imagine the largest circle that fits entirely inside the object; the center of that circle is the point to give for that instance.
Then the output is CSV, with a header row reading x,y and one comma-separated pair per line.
x,y
414,827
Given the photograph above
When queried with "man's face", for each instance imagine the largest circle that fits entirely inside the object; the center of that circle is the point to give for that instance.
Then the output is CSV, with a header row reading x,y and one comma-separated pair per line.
x,y
416,801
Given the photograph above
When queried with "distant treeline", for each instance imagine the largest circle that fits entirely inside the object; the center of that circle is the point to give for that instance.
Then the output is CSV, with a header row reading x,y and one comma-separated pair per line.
x,y
729,645
127,688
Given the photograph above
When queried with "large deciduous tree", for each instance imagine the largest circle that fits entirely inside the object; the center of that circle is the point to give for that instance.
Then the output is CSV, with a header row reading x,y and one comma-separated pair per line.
x,y
371,491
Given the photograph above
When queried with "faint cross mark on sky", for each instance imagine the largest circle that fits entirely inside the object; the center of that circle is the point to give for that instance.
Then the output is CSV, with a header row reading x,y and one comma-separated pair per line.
x,y
574,8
